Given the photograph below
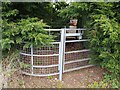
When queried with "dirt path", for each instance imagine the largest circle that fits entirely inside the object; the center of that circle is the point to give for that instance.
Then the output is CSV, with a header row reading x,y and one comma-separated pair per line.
x,y
76,79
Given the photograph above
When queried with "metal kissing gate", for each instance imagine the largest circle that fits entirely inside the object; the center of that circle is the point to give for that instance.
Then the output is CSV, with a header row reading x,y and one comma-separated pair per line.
x,y
63,56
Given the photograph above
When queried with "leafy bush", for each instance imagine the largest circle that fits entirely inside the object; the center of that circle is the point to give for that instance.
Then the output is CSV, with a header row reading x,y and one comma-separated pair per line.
x,y
15,32
101,84
104,43
107,82
28,30
113,82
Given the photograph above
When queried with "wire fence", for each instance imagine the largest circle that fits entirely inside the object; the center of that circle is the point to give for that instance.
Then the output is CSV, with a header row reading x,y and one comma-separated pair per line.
x,y
63,56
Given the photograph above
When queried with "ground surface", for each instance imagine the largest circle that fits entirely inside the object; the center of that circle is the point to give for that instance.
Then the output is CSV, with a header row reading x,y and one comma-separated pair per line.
x,y
76,79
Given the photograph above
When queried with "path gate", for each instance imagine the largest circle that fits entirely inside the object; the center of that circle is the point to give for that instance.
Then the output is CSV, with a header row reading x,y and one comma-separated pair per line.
x,y
57,58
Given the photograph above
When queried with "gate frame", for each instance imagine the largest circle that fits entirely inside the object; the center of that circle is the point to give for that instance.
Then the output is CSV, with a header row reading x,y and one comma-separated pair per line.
x,y
61,54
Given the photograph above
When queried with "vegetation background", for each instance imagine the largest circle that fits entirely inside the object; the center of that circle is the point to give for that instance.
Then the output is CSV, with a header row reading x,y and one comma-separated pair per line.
x,y
102,19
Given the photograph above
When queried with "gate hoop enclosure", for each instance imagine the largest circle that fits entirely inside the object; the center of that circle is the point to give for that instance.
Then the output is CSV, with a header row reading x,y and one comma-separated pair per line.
x,y
55,59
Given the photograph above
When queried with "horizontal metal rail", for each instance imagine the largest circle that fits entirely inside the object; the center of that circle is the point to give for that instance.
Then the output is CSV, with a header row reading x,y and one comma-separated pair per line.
x,y
80,60
46,66
39,55
51,42
41,75
44,51
55,43
78,68
65,29
73,34
53,29
85,50
76,40
81,29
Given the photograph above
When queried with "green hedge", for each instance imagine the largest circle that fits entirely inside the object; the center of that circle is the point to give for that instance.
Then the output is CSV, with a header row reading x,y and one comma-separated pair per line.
x,y
105,44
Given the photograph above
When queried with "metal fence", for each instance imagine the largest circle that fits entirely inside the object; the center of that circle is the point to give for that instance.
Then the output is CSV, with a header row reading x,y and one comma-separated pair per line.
x,y
67,54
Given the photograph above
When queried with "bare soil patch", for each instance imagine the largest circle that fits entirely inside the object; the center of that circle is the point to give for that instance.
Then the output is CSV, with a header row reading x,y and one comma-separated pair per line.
x,y
76,79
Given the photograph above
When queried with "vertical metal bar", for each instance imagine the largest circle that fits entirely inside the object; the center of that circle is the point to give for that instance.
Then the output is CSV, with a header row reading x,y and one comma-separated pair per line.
x,y
31,59
64,39
61,54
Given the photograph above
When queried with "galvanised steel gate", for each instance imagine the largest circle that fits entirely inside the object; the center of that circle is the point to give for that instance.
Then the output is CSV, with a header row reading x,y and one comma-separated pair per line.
x,y
57,58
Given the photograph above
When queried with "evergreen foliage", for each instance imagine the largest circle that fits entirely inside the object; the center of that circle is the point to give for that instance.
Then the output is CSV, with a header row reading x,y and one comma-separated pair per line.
x,y
102,20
